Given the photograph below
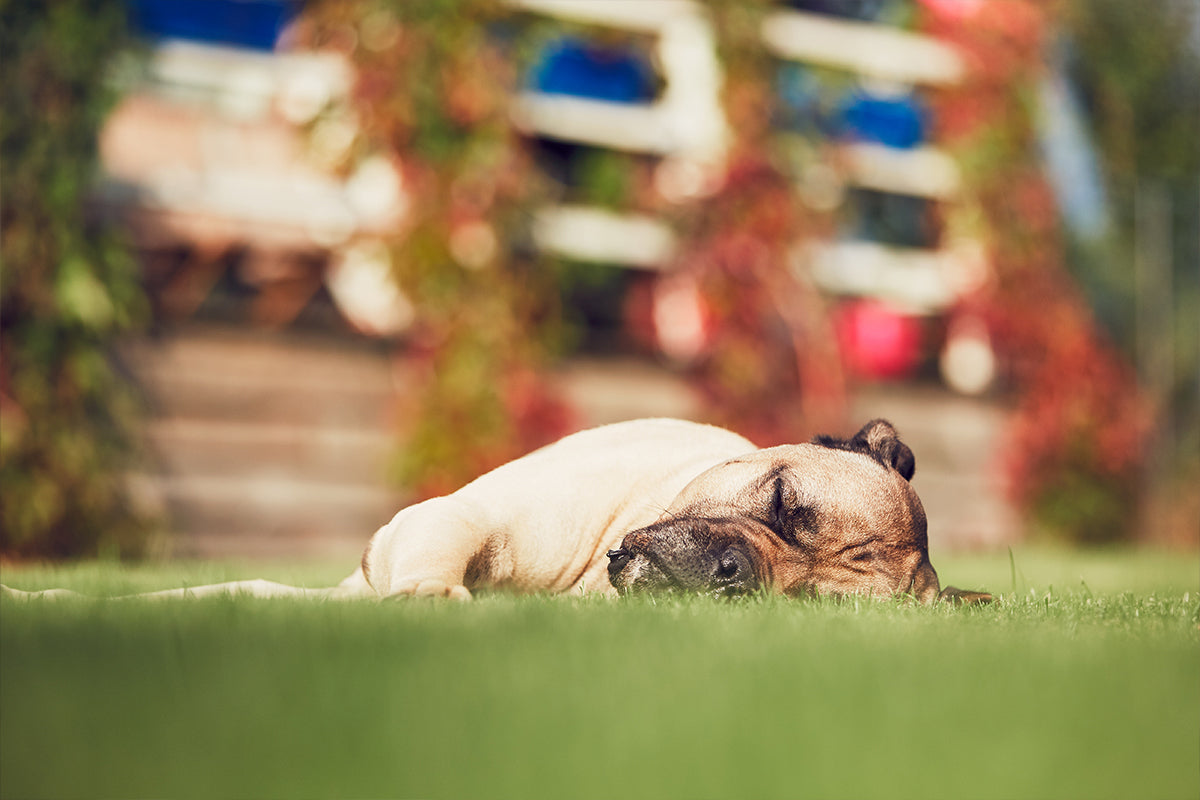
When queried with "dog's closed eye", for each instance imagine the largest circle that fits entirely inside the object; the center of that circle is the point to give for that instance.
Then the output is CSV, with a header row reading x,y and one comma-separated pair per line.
x,y
788,516
858,555
783,502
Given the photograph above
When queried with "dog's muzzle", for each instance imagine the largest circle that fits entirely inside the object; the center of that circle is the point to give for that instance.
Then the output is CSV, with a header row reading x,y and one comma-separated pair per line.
x,y
617,560
726,573
629,571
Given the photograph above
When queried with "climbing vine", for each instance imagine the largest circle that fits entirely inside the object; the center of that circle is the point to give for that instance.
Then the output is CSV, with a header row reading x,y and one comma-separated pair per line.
x,y
1075,444
68,289
432,93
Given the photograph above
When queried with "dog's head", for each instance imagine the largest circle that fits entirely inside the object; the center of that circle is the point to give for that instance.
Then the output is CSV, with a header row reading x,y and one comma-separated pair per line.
x,y
837,516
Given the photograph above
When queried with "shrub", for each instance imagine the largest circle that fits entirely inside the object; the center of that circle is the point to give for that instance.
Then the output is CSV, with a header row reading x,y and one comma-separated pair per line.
x,y
68,288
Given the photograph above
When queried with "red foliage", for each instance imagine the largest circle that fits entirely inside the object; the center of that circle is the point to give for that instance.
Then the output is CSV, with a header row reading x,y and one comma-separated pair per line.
x,y
538,414
1076,440
1001,44
769,368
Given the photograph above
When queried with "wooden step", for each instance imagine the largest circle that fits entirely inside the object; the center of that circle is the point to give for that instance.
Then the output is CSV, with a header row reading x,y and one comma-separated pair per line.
x,y
273,446
278,382
234,513
184,446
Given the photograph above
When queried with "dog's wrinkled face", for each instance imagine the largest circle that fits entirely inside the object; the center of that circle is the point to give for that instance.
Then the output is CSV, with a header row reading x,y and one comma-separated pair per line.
x,y
834,517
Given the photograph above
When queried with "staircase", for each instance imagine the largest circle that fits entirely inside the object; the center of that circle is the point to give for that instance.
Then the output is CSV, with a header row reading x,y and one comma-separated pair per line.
x,y
267,445
277,445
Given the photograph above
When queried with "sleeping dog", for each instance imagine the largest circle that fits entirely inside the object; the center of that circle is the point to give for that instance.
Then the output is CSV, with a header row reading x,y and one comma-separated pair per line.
x,y
661,505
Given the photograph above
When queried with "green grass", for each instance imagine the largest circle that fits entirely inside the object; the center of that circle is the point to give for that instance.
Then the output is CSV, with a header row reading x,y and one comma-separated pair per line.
x,y
1083,681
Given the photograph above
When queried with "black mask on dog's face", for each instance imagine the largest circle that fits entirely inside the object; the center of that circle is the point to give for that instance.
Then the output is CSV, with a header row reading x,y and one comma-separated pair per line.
x,y
833,517
689,554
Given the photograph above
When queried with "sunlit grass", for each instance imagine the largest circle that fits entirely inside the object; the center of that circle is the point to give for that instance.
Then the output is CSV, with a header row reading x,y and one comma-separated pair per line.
x,y
1080,682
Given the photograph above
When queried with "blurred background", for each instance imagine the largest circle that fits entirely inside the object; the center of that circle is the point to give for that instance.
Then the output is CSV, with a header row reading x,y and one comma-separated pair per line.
x,y
273,269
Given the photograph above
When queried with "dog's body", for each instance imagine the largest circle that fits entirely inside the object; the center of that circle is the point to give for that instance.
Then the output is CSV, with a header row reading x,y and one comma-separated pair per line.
x,y
658,504
546,521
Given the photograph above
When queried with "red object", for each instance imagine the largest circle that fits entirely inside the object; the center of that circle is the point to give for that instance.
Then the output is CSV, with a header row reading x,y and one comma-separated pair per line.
x,y
956,10
878,342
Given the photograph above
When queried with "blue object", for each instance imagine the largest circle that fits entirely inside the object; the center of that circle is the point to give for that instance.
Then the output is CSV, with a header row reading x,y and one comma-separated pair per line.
x,y
799,97
253,24
806,101
577,68
1072,165
899,122
846,9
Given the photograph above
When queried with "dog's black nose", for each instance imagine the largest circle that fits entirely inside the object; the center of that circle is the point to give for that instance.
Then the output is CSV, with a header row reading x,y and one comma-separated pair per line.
x,y
617,559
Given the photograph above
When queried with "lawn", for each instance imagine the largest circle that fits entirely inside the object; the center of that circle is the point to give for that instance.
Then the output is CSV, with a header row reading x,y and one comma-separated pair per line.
x,y
1082,681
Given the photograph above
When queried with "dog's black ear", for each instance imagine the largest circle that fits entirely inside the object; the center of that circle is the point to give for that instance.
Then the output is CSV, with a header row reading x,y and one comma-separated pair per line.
x,y
879,440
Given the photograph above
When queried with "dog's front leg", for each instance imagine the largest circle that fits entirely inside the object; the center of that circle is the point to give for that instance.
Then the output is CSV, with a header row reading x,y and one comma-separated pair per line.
x,y
442,547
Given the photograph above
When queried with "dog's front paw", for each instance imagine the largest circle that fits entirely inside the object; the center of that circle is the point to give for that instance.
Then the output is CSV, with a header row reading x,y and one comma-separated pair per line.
x,y
430,587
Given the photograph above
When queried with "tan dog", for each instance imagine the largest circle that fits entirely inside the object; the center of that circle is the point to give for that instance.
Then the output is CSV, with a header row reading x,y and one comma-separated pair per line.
x,y
661,504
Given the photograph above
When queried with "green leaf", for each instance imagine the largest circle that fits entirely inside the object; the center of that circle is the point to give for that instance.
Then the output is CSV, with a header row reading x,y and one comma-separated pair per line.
x,y
81,297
